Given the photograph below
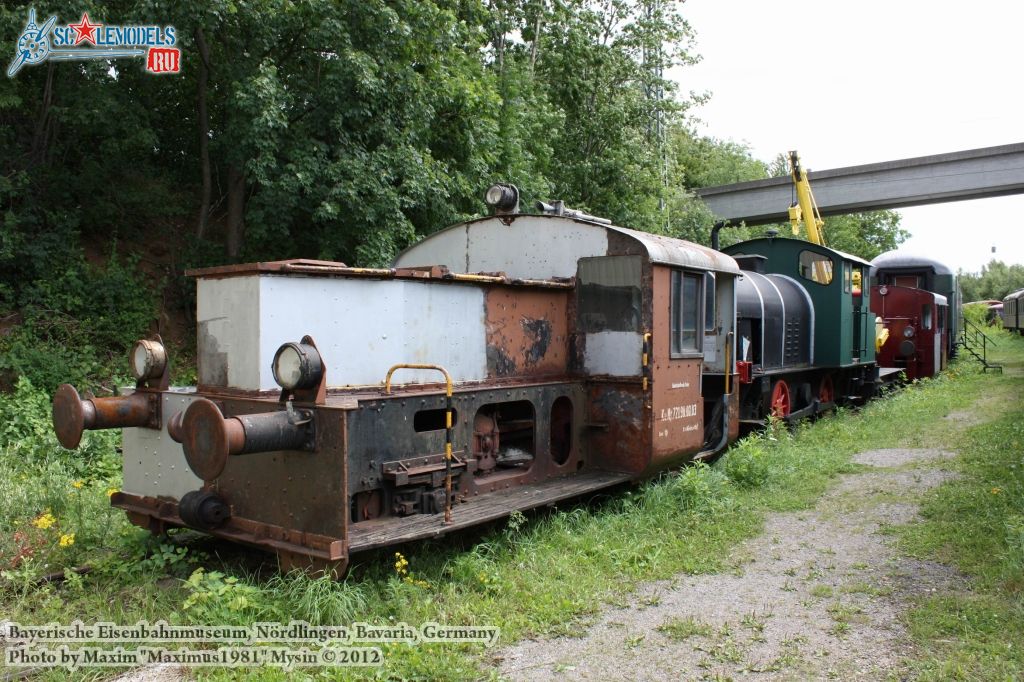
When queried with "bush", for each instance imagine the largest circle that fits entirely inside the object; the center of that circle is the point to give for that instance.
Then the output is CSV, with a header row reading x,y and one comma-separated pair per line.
x,y
29,444
78,324
700,487
747,464
54,503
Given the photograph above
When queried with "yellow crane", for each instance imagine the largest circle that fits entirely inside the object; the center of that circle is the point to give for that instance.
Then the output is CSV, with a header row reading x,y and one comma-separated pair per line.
x,y
805,210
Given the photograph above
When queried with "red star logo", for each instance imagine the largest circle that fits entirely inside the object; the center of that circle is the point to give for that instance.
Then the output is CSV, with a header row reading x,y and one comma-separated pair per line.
x,y
85,30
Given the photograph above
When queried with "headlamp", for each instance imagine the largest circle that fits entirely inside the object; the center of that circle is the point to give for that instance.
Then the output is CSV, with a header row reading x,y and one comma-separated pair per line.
x,y
297,366
148,359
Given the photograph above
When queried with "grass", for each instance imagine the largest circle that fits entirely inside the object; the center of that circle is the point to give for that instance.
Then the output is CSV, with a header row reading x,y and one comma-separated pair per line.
x,y
973,628
548,573
681,629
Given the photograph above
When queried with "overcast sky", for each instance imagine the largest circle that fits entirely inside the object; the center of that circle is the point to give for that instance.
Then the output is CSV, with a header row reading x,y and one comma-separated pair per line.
x,y
860,82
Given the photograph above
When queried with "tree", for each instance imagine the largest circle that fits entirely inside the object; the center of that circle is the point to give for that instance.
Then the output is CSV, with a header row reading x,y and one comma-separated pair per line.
x,y
865,234
995,281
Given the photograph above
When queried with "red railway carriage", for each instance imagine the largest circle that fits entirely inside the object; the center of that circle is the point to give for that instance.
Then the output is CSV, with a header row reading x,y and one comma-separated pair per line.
x,y
918,329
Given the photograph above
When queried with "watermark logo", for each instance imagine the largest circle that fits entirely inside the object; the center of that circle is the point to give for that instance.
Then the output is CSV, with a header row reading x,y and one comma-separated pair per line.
x,y
53,42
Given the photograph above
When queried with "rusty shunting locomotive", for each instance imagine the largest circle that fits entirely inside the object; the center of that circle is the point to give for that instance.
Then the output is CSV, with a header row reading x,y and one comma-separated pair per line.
x,y
501,364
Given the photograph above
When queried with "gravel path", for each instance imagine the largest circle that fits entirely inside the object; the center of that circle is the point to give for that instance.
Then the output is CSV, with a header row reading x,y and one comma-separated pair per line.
x,y
817,596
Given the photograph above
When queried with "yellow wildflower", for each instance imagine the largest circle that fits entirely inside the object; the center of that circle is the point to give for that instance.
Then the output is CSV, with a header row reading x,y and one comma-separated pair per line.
x,y
44,520
401,564
67,540
111,491
996,491
77,485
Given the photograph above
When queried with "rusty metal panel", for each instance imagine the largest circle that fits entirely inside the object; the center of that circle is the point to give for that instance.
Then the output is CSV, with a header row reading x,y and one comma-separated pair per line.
x,y
154,465
300,491
527,332
620,435
676,403
670,251
610,315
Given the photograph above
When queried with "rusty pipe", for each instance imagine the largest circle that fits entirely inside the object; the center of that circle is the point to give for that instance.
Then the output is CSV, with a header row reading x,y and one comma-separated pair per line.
x,y
209,438
72,415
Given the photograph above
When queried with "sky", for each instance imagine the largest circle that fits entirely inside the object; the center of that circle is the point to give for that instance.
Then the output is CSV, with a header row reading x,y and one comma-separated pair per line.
x,y
849,83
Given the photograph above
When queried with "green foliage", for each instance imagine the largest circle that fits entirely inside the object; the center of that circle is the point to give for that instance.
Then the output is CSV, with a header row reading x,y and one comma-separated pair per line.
x,y
54,503
27,438
748,463
976,313
974,522
319,601
78,323
699,487
216,598
865,234
994,282
706,162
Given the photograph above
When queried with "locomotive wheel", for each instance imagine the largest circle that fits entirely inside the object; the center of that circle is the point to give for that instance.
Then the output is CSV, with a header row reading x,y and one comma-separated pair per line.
x,y
780,401
826,390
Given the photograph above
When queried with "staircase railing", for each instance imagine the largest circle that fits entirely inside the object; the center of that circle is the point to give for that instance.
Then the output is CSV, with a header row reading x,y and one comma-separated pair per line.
x,y
976,342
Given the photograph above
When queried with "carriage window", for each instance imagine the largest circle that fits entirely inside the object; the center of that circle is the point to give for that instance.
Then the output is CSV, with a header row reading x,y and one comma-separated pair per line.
x,y
709,302
816,267
847,275
926,316
609,293
685,312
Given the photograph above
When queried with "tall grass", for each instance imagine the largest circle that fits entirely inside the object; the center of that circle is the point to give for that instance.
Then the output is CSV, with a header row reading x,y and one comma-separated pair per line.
x,y
543,573
975,524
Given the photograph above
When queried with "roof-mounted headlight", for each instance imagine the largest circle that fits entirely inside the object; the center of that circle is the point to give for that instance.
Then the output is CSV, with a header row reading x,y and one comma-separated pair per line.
x,y
297,366
502,198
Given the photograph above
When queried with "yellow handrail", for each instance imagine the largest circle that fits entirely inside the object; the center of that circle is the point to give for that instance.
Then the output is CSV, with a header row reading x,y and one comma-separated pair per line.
x,y
645,359
447,427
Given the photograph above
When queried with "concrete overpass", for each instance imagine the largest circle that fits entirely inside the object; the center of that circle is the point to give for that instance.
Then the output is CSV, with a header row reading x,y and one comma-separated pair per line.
x,y
956,176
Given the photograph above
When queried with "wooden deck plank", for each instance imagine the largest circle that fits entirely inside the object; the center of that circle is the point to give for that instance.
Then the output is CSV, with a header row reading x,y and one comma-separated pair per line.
x,y
373,534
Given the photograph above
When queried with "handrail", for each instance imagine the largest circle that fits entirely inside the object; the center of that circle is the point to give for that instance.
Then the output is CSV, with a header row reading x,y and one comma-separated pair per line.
x,y
645,360
447,427
969,335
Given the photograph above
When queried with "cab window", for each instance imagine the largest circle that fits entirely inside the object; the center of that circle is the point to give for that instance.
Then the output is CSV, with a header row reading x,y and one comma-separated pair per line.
x,y
686,307
816,267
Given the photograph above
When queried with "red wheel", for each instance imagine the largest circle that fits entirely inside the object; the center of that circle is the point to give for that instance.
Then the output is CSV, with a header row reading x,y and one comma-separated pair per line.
x,y
826,391
780,403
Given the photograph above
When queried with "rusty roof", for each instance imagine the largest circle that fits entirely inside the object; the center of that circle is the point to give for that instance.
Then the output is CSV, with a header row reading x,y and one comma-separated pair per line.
x,y
672,251
323,268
